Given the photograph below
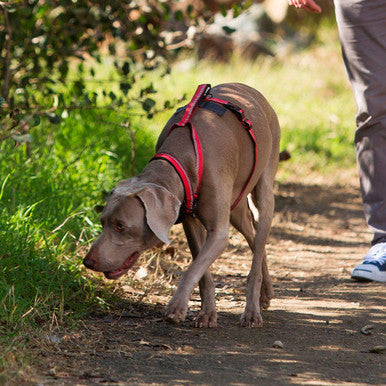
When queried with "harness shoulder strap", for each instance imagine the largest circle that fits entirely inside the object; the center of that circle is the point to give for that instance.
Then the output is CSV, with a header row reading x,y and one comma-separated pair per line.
x,y
190,197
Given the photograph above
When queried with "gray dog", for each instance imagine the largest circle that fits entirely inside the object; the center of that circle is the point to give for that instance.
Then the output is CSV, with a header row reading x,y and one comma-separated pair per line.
x,y
213,167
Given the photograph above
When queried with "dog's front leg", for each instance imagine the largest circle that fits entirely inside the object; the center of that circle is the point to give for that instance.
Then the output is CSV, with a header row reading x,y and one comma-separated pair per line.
x,y
215,243
195,234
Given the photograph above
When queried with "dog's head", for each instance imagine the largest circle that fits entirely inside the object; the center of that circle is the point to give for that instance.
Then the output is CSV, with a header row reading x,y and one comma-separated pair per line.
x,y
137,216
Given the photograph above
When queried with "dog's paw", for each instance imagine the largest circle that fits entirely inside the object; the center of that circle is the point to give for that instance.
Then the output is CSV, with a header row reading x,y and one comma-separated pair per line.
x,y
266,295
176,311
265,299
206,319
251,319
265,302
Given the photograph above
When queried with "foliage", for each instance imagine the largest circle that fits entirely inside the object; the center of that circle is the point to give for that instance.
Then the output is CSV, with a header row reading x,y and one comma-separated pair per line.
x,y
40,40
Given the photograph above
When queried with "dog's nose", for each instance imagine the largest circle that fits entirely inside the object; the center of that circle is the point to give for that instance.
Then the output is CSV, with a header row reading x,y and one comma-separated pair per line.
x,y
89,262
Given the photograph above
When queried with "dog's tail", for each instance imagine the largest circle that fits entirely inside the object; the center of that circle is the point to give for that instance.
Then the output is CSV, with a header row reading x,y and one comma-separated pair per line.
x,y
284,155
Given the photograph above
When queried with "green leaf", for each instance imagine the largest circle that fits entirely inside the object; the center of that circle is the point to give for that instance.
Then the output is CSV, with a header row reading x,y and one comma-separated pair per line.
x,y
179,16
35,120
228,30
223,10
125,87
2,101
237,9
126,68
148,104
190,10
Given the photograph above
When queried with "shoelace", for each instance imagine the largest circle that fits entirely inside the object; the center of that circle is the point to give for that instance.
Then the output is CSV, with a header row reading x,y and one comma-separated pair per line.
x,y
377,252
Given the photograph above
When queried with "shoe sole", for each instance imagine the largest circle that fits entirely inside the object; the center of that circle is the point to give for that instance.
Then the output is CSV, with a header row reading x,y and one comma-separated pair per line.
x,y
365,275
360,278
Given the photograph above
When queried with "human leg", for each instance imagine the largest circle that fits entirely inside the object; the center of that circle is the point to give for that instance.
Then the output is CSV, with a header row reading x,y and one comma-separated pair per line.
x,y
362,31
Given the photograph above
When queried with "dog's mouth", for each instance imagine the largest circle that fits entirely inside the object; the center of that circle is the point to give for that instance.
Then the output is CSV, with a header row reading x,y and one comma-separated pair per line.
x,y
113,275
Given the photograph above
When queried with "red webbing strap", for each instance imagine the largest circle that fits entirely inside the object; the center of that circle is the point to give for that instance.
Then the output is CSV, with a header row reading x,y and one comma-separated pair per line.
x,y
201,91
251,133
248,126
189,197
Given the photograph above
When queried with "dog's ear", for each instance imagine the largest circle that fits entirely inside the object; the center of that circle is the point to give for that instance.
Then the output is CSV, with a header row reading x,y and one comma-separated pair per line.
x,y
162,209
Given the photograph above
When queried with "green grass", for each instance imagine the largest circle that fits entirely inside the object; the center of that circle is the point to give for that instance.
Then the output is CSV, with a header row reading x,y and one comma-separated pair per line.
x,y
49,189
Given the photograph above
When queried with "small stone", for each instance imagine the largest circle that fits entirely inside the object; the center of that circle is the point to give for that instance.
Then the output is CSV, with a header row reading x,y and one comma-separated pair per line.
x,y
54,338
277,344
141,273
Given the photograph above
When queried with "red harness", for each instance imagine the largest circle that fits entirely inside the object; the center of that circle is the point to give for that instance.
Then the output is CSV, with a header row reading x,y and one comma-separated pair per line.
x,y
202,95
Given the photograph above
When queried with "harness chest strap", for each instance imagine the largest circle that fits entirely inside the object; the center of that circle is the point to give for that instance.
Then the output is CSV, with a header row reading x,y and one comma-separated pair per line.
x,y
199,96
190,197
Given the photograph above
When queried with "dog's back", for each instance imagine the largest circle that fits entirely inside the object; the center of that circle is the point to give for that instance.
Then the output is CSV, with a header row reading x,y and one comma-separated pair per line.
x,y
227,147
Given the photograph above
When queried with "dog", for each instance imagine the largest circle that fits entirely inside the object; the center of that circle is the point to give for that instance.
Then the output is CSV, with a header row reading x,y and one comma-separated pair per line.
x,y
140,211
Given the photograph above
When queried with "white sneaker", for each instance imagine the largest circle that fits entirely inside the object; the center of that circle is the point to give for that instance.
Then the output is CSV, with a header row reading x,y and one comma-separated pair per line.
x,y
373,267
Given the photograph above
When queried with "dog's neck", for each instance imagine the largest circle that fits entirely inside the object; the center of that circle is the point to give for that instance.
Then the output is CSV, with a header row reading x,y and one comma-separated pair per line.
x,y
163,174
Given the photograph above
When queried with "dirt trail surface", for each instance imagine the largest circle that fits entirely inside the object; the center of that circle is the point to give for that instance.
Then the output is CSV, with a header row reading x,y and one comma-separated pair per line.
x,y
318,236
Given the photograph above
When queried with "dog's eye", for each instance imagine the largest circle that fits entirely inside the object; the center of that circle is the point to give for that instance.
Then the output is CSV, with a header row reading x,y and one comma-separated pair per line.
x,y
119,227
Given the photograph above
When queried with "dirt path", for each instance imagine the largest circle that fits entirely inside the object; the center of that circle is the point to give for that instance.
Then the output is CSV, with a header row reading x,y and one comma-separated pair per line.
x,y
318,236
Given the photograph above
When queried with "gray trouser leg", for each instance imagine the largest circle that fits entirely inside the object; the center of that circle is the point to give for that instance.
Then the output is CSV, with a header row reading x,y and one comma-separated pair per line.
x,y
362,32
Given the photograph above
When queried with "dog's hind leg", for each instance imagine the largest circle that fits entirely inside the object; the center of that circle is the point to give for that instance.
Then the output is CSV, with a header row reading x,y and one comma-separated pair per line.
x,y
244,219
196,234
266,287
259,286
